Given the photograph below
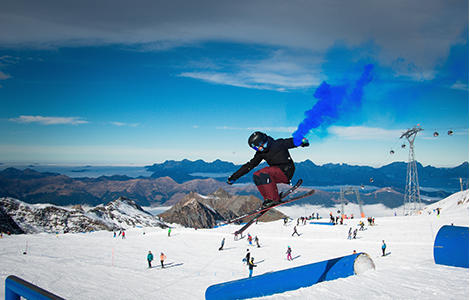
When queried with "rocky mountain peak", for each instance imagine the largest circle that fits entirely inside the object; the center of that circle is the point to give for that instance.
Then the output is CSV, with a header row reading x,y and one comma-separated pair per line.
x,y
192,212
221,193
199,211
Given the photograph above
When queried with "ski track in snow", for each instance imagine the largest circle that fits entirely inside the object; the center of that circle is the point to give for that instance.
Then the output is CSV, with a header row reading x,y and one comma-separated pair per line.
x,y
82,265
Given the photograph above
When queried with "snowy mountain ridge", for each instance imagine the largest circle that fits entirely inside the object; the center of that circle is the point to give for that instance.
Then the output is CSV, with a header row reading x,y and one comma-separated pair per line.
x,y
35,218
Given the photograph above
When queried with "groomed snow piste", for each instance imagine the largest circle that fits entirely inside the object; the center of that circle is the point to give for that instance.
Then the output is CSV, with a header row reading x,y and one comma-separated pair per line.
x,y
98,266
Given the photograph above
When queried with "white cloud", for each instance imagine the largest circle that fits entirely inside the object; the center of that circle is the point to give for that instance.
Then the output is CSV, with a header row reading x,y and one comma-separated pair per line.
x,y
364,133
4,76
125,124
265,129
258,79
49,120
460,86
278,71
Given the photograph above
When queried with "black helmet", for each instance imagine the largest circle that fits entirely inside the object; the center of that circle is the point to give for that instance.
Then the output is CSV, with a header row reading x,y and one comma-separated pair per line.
x,y
257,139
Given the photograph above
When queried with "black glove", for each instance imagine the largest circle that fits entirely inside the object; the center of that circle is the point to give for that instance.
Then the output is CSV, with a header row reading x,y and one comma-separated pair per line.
x,y
305,143
231,180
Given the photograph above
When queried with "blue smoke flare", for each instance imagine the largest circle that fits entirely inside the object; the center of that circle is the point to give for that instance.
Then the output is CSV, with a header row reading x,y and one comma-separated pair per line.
x,y
332,102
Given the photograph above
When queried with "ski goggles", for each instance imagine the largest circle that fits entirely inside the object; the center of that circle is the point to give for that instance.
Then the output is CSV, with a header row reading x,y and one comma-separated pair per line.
x,y
261,146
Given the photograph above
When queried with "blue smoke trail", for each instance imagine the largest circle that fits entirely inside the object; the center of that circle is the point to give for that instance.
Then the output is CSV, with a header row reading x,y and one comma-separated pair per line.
x,y
332,100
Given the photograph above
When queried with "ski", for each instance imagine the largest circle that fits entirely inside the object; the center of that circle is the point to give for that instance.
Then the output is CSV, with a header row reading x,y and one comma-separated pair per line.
x,y
283,196
265,210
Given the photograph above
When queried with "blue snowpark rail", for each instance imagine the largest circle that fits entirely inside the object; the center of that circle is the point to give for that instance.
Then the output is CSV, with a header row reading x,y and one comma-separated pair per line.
x,y
322,223
15,288
451,246
291,279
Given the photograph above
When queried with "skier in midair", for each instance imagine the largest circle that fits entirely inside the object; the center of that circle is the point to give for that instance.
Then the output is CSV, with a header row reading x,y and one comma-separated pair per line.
x,y
281,167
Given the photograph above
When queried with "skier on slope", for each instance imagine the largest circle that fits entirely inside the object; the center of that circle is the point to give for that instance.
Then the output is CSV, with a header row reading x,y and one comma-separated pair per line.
x,y
295,231
222,244
289,253
281,167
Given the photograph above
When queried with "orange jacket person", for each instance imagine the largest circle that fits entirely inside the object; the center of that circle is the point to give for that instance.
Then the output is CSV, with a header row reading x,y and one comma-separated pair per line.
x,y
162,258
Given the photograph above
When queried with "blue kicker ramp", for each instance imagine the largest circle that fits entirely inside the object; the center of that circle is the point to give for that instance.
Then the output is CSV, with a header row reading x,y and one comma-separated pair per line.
x,y
451,246
291,279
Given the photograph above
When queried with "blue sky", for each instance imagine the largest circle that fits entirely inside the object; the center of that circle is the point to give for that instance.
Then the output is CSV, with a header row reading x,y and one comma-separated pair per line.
x,y
109,82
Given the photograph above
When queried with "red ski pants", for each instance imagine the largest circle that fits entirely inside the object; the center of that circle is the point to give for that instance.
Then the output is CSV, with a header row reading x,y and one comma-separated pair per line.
x,y
266,181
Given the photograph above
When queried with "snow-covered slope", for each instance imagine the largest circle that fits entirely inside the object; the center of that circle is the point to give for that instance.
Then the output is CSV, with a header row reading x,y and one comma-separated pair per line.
x,y
456,204
98,266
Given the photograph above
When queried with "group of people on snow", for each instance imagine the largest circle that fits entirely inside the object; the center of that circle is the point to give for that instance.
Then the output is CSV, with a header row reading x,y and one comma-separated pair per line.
x,y
150,259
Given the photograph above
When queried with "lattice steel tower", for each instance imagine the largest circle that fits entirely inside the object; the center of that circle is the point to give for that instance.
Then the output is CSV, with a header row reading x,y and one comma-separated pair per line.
x,y
412,197
350,190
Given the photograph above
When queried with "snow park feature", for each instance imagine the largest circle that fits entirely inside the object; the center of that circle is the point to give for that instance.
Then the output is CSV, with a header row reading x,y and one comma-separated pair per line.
x,y
451,246
322,223
291,279
15,288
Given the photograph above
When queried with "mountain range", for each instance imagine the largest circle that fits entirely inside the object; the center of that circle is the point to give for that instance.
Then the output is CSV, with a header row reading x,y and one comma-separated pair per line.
x,y
34,187
391,175
19,217
193,211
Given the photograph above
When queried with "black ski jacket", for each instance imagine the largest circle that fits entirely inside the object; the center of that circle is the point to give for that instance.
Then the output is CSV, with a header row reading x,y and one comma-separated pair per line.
x,y
276,155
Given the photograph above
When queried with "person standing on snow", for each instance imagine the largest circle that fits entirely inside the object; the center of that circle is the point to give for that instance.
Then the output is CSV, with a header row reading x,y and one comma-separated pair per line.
x,y
162,258
384,246
247,257
150,258
281,167
251,265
